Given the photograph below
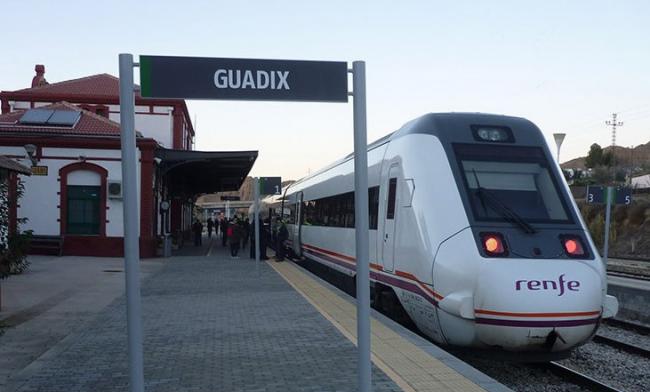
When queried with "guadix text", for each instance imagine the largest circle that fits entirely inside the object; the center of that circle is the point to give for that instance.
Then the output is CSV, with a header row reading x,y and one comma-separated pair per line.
x,y
254,80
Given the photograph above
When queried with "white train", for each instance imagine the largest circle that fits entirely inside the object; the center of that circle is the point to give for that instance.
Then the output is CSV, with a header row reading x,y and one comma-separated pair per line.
x,y
473,229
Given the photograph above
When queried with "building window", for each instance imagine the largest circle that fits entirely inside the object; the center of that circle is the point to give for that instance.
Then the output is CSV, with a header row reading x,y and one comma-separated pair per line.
x,y
83,209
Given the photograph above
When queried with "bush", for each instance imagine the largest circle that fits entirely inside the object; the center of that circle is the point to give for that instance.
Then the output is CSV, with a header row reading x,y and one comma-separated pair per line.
x,y
13,259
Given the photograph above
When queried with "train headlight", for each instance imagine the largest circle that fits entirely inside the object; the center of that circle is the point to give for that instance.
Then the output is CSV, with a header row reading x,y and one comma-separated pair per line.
x,y
492,134
573,246
493,244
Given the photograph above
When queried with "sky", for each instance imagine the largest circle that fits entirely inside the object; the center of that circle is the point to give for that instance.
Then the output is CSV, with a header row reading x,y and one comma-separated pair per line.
x,y
565,65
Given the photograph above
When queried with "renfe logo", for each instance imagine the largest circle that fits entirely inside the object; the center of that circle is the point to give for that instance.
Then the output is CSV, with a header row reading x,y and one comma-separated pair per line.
x,y
258,80
535,285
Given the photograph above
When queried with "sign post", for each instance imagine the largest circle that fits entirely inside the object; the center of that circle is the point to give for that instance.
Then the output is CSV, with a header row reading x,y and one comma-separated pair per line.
x,y
267,80
361,225
608,195
608,213
256,191
263,186
131,222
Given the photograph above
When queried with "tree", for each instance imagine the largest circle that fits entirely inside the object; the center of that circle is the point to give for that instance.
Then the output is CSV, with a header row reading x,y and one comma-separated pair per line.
x,y
594,157
13,245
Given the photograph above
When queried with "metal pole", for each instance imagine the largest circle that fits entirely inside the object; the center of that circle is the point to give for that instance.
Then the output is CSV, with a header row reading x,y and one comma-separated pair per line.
x,y
608,211
131,219
256,191
361,223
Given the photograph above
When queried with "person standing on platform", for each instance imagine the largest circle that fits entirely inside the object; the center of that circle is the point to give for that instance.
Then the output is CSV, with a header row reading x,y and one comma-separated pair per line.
x,y
246,231
262,240
283,236
224,231
197,228
210,224
234,236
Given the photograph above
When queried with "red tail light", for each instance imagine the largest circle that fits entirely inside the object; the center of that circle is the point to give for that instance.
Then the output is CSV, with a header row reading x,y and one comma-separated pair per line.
x,y
493,244
573,246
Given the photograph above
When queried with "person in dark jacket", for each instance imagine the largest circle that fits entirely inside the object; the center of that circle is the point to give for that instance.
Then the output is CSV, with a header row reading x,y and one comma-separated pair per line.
x,y
210,224
246,226
224,231
262,240
282,237
197,228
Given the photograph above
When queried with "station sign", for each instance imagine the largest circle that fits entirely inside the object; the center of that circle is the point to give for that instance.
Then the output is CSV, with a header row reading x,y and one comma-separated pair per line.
x,y
623,195
597,194
270,185
230,198
243,79
39,170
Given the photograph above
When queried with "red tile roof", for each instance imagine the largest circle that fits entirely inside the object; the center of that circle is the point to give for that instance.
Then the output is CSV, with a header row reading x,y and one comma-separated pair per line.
x,y
95,85
89,124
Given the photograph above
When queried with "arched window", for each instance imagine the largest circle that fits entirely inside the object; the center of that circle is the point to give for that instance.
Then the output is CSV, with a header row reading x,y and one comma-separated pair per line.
x,y
83,199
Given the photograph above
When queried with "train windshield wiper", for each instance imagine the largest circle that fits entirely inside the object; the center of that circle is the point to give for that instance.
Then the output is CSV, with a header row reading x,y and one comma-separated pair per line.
x,y
498,206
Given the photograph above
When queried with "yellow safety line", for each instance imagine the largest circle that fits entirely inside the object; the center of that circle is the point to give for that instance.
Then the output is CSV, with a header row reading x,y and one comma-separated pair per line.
x,y
412,369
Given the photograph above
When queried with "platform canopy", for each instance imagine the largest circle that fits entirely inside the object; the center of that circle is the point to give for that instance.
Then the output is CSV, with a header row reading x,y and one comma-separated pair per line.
x,y
191,173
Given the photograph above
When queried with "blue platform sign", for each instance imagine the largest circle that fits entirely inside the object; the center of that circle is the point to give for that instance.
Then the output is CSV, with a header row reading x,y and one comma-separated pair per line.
x,y
597,194
243,79
623,196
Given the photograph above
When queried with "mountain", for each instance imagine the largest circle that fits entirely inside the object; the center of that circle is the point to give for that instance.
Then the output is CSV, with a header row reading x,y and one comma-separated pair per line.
x,y
624,156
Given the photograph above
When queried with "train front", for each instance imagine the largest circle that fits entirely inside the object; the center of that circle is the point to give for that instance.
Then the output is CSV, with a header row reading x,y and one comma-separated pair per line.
x,y
534,278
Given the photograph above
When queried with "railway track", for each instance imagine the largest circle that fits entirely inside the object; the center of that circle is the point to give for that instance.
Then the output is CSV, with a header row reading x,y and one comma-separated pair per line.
x,y
628,325
636,350
630,276
577,378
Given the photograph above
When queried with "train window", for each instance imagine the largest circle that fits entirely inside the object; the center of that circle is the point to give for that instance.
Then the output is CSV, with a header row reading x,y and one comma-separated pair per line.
x,y
520,181
373,207
338,210
392,190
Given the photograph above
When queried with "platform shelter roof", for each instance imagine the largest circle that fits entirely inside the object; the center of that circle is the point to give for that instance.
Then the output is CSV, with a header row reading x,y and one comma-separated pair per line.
x,y
192,173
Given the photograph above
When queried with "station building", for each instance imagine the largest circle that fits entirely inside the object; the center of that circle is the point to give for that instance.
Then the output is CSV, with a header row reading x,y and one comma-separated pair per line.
x,y
69,134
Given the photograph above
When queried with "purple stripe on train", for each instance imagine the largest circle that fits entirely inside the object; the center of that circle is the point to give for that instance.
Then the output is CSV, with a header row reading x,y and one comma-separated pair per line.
x,y
537,323
378,277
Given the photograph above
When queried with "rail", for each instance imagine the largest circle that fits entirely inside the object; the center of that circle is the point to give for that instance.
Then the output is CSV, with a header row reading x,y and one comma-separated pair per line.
x,y
577,378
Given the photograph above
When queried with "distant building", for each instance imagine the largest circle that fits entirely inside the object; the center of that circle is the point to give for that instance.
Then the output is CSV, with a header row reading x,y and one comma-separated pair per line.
x,y
640,182
75,192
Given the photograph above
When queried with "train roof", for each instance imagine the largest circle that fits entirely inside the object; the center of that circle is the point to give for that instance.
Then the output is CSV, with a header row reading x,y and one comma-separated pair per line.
x,y
452,127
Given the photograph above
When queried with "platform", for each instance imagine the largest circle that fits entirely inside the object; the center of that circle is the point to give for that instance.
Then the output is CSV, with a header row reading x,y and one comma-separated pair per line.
x,y
212,323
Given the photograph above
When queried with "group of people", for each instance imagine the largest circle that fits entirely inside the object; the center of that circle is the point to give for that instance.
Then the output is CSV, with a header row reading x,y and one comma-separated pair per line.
x,y
238,233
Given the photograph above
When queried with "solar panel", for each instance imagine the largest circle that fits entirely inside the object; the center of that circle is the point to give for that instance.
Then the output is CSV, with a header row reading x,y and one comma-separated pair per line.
x,y
64,117
36,116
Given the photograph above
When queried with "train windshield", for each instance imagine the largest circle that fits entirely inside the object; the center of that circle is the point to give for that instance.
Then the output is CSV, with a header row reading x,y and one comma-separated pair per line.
x,y
506,181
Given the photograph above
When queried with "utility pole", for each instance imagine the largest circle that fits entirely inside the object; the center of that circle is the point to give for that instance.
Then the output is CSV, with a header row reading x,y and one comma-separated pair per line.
x,y
614,123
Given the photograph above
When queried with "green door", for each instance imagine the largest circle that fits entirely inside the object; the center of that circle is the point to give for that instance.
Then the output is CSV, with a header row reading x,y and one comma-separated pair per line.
x,y
83,210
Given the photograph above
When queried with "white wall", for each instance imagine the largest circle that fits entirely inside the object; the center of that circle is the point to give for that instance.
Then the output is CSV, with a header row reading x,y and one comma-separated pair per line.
x,y
41,198
156,126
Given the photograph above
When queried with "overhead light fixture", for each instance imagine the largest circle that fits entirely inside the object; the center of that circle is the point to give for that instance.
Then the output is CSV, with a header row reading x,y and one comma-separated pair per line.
x,y
30,149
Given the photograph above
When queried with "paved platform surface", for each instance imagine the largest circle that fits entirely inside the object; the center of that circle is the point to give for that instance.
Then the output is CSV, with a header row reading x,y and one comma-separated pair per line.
x,y
413,363
52,300
210,324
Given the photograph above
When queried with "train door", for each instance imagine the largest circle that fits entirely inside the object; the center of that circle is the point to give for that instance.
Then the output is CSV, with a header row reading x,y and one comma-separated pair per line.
x,y
390,220
297,218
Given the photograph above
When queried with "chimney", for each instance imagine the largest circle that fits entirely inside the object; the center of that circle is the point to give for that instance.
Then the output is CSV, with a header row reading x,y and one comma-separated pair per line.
x,y
39,79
